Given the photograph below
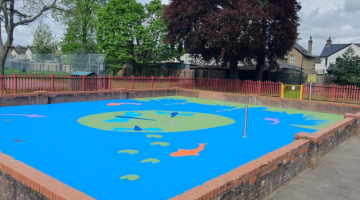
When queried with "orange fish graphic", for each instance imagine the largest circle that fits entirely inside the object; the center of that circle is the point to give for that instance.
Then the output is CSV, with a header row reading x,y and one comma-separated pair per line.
x,y
191,152
119,104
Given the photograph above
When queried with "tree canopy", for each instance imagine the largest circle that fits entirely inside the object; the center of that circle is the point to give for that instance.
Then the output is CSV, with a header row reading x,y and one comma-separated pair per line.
x,y
79,17
44,40
18,13
347,68
229,31
133,33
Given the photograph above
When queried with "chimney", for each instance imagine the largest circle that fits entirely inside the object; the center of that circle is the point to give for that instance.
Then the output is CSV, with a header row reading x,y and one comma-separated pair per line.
x,y
328,42
310,46
28,46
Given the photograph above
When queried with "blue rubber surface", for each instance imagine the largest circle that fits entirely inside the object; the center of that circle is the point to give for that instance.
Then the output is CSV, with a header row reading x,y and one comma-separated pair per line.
x,y
87,158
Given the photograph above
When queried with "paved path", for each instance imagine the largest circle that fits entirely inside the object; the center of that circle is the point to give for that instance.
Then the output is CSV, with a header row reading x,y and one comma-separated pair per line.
x,y
336,178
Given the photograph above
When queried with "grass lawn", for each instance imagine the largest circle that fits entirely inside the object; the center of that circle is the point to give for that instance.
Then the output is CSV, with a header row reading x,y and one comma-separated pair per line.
x,y
29,72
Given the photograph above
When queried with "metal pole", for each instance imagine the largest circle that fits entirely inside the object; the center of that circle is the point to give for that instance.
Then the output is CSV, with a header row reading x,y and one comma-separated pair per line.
x,y
302,62
311,80
245,121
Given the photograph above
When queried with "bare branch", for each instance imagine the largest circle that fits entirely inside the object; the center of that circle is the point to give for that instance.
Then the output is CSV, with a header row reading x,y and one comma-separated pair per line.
x,y
45,8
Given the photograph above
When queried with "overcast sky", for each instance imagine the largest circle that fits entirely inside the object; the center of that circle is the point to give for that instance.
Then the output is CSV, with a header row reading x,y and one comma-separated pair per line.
x,y
321,19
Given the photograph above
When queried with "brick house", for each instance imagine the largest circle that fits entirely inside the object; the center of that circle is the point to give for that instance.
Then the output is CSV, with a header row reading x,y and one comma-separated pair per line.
x,y
300,57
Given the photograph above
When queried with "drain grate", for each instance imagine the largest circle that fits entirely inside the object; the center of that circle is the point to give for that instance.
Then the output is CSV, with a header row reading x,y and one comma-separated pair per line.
x,y
18,140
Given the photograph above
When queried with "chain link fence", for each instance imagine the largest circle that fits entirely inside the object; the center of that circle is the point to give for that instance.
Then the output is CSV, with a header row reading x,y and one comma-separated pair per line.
x,y
54,63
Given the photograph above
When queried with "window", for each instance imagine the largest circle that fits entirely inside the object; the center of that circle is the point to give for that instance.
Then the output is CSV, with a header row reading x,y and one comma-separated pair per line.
x,y
292,59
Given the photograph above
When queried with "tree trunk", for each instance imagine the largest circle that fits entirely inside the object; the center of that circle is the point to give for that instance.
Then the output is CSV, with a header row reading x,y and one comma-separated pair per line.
x,y
234,71
260,64
3,54
259,72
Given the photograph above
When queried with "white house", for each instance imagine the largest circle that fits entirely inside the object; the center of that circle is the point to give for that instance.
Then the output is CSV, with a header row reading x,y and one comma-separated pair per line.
x,y
20,52
332,51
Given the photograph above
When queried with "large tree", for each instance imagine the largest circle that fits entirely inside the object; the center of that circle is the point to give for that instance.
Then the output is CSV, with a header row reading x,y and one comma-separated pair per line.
x,y
229,31
347,69
44,40
79,17
133,33
15,13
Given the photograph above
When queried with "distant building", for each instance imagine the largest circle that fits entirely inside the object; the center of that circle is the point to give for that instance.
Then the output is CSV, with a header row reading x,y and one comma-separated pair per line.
x,y
300,57
331,52
317,66
20,52
28,52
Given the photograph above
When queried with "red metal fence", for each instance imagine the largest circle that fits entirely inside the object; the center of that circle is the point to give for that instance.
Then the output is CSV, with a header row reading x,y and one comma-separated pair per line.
x,y
266,88
27,84
333,93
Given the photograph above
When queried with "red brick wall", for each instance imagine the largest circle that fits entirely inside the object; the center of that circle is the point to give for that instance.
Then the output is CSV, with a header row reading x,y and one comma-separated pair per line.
x,y
316,106
41,98
256,179
20,181
259,178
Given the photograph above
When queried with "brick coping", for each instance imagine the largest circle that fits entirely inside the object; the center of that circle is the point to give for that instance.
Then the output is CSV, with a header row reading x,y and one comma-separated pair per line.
x,y
249,172
39,181
274,98
246,173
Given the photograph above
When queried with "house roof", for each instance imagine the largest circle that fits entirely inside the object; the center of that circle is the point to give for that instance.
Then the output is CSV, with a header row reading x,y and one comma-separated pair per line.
x,y
21,50
317,60
333,48
285,65
303,51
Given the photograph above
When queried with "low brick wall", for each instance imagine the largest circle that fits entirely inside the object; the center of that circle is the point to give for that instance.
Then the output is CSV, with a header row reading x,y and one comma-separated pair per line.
x,y
259,178
20,181
18,99
316,106
326,139
256,179
41,98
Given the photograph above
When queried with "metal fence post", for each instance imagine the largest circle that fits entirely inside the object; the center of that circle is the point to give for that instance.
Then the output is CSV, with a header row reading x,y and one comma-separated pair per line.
x,y
169,81
311,80
259,88
110,82
52,83
14,86
152,82
132,82
83,82
184,82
